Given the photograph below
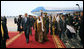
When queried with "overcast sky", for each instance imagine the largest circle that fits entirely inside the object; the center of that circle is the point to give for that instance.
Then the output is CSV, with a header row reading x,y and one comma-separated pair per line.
x,y
14,8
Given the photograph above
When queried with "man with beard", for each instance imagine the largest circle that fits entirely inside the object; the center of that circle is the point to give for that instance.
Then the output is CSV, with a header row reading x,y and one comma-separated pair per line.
x,y
40,30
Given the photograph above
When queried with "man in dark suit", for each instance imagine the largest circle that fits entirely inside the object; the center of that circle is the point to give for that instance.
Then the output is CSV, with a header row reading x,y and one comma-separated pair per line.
x,y
81,28
51,25
15,20
4,33
5,27
18,23
4,20
25,24
47,23
2,37
62,26
31,24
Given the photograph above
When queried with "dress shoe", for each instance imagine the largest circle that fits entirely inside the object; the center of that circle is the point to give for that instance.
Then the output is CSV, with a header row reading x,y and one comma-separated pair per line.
x,y
27,40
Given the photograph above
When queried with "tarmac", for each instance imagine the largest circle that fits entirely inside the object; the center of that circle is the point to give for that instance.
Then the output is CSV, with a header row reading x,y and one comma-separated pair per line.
x,y
11,25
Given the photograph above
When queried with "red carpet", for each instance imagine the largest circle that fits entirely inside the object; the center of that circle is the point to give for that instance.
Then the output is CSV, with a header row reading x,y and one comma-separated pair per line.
x,y
12,34
20,42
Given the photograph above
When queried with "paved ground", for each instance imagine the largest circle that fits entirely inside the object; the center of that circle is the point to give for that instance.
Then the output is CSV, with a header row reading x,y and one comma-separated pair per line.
x,y
73,43
11,25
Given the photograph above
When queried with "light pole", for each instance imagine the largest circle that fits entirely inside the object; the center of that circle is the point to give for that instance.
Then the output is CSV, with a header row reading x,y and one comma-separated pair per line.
x,y
78,6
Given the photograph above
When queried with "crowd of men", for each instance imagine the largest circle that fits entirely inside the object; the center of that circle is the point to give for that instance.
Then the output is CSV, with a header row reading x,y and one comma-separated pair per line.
x,y
57,24
28,21
75,21
41,24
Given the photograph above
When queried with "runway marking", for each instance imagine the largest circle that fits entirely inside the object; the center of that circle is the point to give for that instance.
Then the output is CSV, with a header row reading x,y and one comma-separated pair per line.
x,y
11,40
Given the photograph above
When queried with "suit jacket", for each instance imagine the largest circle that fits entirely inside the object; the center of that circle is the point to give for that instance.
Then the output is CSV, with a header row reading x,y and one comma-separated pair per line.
x,y
15,20
62,25
47,22
31,22
25,25
19,21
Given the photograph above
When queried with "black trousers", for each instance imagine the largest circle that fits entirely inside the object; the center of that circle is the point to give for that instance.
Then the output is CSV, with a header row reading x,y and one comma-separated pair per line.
x,y
27,33
51,30
3,43
69,34
47,30
56,33
81,35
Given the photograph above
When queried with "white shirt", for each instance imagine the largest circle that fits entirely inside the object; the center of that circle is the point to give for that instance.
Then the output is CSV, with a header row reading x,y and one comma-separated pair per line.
x,y
25,19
